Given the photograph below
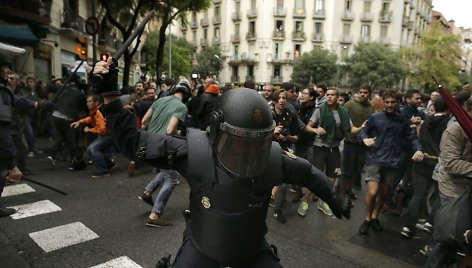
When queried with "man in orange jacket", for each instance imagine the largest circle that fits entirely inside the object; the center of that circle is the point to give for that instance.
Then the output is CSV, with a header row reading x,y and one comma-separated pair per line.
x,y
100,148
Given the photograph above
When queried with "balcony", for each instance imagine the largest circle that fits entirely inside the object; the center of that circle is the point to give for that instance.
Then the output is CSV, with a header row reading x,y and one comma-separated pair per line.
x,y
26,11
216,1
234,60
279,12
234,78
251,13
418,30
364,39
405,21
72,21
279,35
319,14
251,36
298,36
347,16
235,38
203,42
412,4
248,59
385,16
276,79
250,78
204,22
384,40
345,39
216,40
367,17
299,13
193,24
216,19
410,24
317,37
236,16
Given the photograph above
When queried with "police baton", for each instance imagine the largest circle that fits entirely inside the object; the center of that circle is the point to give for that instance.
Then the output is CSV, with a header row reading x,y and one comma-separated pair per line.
x,y
42,184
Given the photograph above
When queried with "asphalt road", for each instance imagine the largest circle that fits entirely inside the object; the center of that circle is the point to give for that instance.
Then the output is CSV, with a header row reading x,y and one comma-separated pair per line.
x,y
109,214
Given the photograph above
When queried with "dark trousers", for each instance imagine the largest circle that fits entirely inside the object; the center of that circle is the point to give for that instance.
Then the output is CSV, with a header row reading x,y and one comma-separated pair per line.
x,y
188,257
21,150
422,182
65,135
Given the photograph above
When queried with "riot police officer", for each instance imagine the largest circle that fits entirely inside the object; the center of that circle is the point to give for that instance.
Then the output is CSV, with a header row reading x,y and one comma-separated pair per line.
x,y
231,168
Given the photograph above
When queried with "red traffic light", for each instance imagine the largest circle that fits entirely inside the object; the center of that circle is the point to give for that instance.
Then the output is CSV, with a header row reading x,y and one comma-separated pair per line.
x,y
103,56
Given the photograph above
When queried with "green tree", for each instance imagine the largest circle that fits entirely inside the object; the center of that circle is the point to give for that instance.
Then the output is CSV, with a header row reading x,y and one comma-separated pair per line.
x,y
168,12
436,54
208,61
376,65
182,52
316,66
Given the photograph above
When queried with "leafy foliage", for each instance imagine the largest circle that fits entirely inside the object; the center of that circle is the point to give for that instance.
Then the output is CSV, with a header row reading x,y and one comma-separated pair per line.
x,y
317,66
376,65
209,61
436,54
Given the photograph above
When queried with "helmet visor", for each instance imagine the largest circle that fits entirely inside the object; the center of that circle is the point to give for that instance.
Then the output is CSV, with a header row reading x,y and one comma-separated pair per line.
x,y
242,152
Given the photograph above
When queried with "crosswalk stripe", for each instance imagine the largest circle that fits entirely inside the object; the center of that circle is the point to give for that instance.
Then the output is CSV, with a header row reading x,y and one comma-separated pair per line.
x,y
121,262
62,236
34,209
17,189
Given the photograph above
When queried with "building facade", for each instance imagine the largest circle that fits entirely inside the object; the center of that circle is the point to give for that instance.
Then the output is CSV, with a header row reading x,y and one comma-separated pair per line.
x,y
260,40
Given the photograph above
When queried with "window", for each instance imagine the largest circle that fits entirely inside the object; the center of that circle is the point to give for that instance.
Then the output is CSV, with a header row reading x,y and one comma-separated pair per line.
x,y
238,6
194,36
367,6
236,51
236,29
277,51
383,31
217,11
348,5
385,7
345,52
205,34
280,4
318,27
298,26
319,6
250,71
235,72
217,33
253,4
277,71
251,50
346,29
279,25
252,27
300,4
194,18
298,51
365,31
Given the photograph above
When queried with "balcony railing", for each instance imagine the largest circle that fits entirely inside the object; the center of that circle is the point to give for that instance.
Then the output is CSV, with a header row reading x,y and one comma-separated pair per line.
x,y
367,17
252,13
298,36
384,40
276,79
405,21
385,16
204,22
203,42
317,37
73,21
364,39
216,19
345,39
251,36
279,12
279,35
347,16
234,78
319,14
193,24
235,38
299,13
412,4
216,40
236,16
250,77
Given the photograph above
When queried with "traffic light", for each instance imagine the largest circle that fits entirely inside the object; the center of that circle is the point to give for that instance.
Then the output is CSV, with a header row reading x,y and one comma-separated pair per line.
x,y
81,47
103,56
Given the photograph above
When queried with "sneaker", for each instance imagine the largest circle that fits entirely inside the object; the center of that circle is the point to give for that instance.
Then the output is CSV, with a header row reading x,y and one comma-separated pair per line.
x,y
101,174
30,154
427,227
408,232
323,207
303,209
5,212
131,168
90,162
351,195
71,167
376,225
52,160
279,216
426,250
158,222
364,228
146,198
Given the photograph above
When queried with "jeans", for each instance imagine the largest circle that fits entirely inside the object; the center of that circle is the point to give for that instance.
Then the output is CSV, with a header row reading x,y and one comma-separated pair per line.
x,y
100,150
280,197
421,184
168,179
29,133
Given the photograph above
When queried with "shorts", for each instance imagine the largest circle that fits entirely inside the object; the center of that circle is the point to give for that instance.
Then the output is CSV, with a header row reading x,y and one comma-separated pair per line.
x,y
327,159
384,175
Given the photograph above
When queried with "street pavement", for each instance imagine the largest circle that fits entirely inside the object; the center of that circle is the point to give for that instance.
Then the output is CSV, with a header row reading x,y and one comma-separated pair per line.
x,y
100,223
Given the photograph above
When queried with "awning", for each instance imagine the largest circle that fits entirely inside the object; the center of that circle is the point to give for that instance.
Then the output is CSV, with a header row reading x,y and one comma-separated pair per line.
x,y
11,48
18,34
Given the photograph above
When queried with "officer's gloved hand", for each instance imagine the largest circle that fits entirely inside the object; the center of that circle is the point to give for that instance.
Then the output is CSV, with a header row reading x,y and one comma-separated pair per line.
x,y
341,207
104,78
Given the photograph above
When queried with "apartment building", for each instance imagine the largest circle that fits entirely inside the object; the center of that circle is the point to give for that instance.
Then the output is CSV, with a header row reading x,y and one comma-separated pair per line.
x,y
260,40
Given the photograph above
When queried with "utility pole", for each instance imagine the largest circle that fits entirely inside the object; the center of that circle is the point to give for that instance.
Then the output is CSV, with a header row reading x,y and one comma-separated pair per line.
x,y
170,50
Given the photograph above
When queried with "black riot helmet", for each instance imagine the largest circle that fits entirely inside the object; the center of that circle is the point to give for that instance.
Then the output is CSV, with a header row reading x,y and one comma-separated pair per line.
x,y
184,87
241,131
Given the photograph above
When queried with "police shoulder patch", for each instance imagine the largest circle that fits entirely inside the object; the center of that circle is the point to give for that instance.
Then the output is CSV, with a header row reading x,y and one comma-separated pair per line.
x,y
289,154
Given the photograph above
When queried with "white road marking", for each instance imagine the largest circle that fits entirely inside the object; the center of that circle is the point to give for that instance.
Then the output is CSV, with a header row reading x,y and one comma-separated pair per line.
x,y
121,262
63,236
34,209
17,189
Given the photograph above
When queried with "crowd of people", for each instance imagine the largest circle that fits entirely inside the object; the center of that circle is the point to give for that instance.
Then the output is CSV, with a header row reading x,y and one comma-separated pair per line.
x,y
405,149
